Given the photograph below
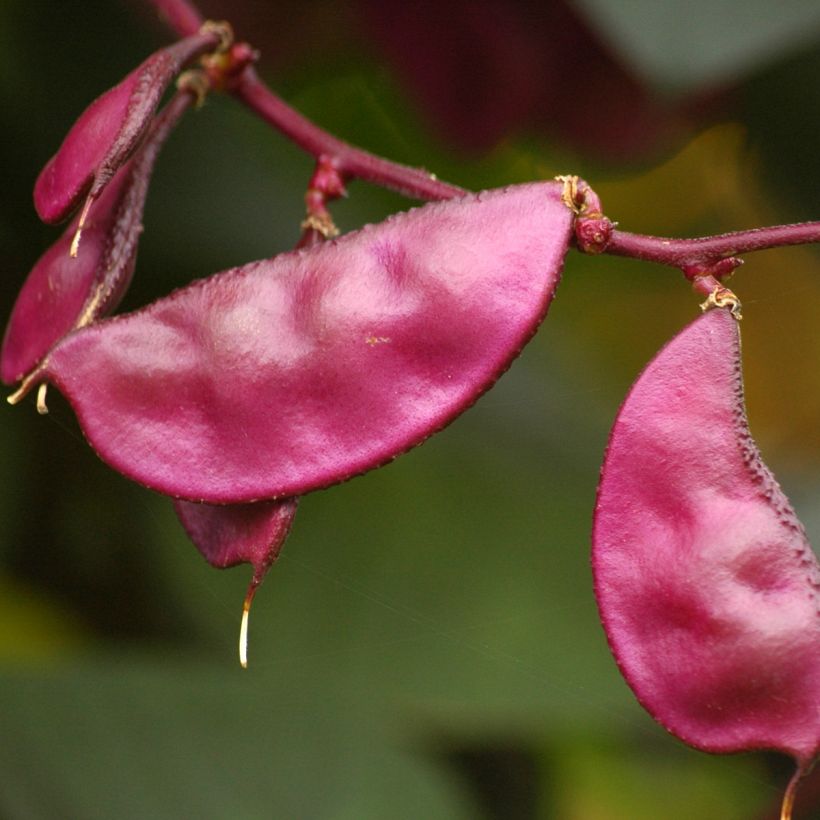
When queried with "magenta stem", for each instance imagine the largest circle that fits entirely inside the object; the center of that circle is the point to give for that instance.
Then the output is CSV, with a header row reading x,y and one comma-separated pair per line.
x,y
683,252
352,162
356,163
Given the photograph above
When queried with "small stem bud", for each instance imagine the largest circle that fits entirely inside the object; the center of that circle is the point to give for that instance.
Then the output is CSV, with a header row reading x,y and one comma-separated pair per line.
x,y
224,68
592,229
720,269
592,234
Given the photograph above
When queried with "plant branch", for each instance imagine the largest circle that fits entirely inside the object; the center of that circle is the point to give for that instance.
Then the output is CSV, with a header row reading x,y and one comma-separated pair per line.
x,y
351,162
682,253
594,232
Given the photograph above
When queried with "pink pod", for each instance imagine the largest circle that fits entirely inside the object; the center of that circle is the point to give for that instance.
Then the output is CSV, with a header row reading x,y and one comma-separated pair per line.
x,y
109,130
63,291
238,534
57,288
291,374
707,587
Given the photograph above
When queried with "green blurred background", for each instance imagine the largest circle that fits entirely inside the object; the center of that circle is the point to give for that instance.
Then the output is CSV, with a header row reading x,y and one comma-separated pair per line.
x,y
427,646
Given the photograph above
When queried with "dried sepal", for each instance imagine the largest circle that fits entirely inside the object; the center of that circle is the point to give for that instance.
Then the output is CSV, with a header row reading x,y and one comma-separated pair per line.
x,y
290,374
707,587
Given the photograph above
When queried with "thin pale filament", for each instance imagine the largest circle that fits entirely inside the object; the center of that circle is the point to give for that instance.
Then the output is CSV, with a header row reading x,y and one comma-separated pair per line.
x,y
91,309
28,382
243,637
243,627
75,242
42,408
791,793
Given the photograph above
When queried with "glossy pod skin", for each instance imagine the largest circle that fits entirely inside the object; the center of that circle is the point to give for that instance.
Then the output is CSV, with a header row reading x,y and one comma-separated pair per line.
x,y
707,587
109,130
291,374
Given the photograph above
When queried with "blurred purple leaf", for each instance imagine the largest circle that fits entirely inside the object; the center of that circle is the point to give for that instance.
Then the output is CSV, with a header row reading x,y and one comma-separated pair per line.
x,y
486,70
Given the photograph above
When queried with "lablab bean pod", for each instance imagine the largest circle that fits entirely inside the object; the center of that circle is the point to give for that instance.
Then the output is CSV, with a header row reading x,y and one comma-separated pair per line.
x,y
707,587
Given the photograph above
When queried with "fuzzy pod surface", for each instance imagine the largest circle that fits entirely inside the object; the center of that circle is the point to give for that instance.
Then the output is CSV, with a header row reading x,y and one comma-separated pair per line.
x,y
707,587
290,374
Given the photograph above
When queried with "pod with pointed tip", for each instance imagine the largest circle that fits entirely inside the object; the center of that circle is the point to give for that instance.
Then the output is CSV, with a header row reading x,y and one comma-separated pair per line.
x,y
239,534
108,131
63,291
707,587
291,374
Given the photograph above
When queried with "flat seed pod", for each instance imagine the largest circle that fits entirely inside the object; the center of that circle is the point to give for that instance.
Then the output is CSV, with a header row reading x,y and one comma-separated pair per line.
x,y
109,130
239,534
707,587
290,374
53,295
63,291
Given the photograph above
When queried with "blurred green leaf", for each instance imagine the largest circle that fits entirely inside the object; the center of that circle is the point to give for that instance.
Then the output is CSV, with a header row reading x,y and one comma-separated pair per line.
x,y
34,628
132,737
622,781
